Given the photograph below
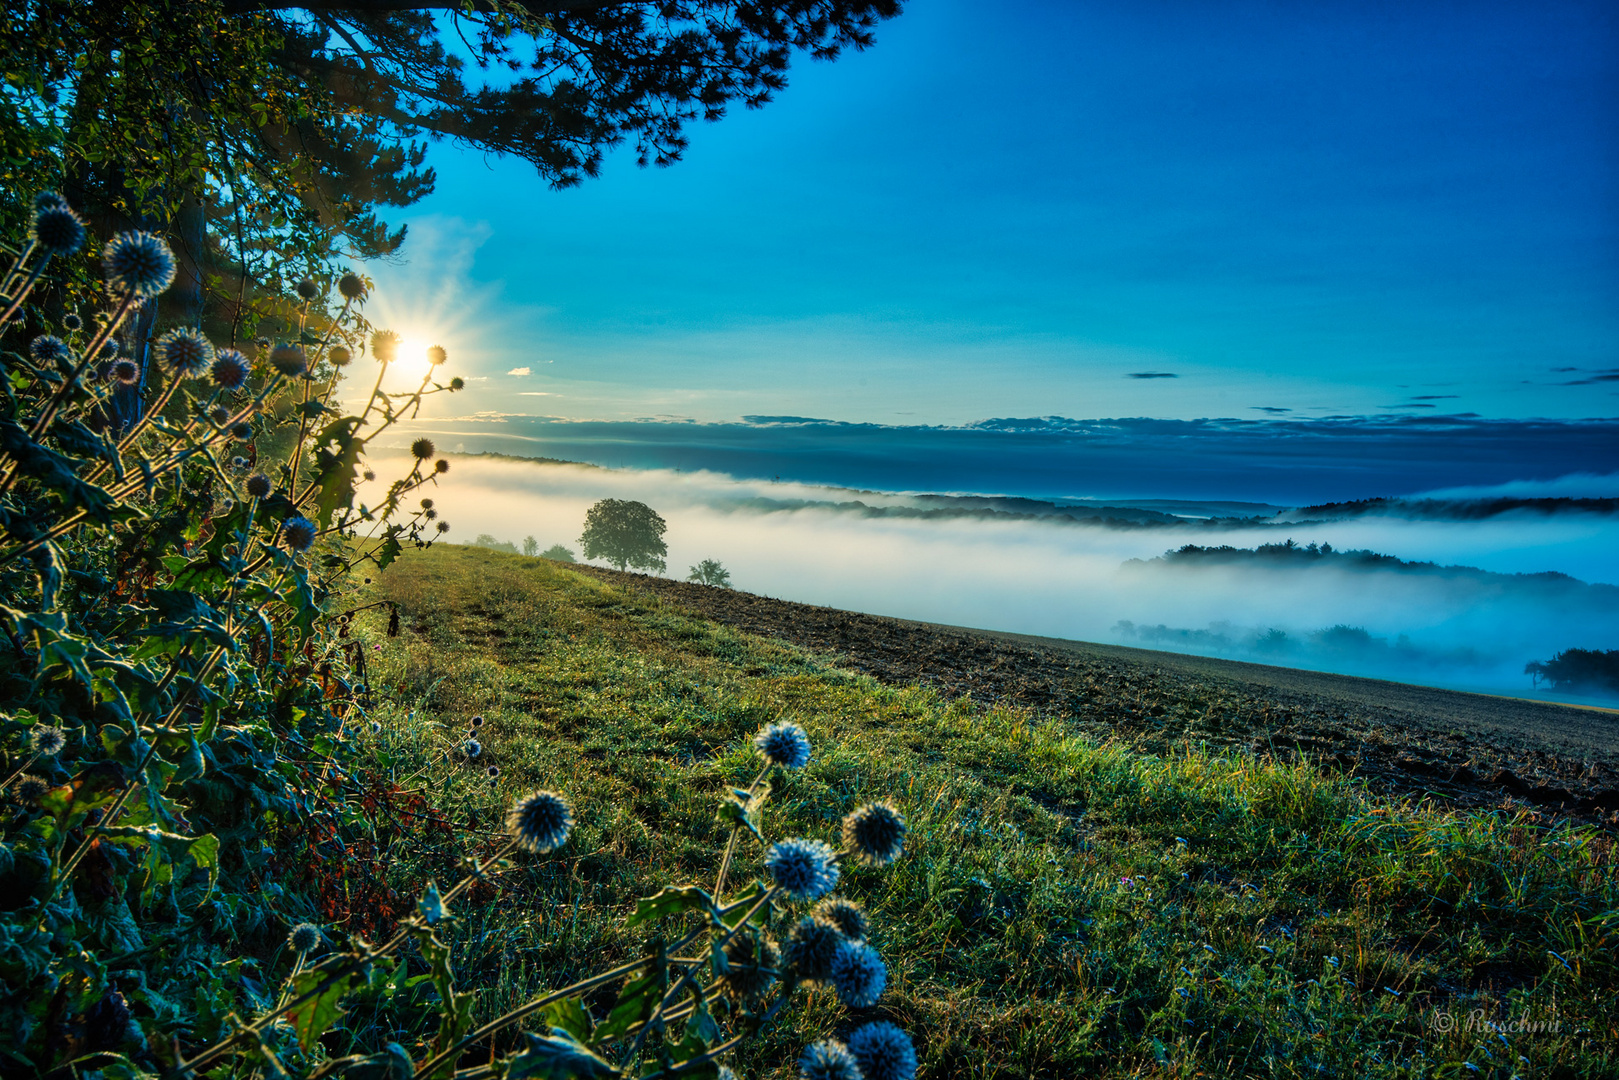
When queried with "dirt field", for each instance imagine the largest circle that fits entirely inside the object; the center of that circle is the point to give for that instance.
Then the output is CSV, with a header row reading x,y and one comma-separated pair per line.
x,y
1470,749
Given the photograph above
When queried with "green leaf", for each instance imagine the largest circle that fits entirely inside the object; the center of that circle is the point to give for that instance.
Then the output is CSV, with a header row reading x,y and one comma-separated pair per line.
x,y
313,1018
569,1015
736,811
745,901
670,901
557,1057
635,1005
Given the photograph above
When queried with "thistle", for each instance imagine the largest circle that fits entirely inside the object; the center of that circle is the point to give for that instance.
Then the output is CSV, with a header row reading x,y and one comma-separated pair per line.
x,y
307,289
48,348
441,466
126,372
384,346
72,323
230,370
804,869
351,286
883,1052
338,356
848,916
58,230
540,822
436,355
751,963
828,1060
138,264
289,360
258,486
305,937
46,741
875,834
858,974
299,533
472,748
29,789
784,744
811,945
185,352
422,449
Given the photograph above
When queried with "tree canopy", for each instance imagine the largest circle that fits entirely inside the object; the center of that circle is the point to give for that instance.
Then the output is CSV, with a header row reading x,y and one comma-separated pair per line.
x,y
267,135
626,534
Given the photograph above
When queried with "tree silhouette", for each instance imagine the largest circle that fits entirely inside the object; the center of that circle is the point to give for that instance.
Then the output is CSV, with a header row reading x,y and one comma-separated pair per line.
x,y
531,546
710,572
625,533
558,553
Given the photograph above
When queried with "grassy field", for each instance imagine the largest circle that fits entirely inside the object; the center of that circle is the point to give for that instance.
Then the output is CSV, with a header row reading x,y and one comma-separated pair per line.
x,y
1064,907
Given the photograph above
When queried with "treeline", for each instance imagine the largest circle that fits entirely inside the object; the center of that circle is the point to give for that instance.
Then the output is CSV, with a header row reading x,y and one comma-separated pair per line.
x,y
1578,670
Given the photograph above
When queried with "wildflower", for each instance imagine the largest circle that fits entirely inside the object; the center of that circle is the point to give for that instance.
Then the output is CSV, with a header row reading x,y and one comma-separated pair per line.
x,y
138,264
828,1060
58,230
811,945
494,771
338,356
300,533
230,370
305,937
783,744
307,289
29,789
458,383
805,869
242,431
427,504
751,962
444,526
875,833
258,486
384,346
848,916
369,475
352,286
476,721
46,200
883,1052
858,974
218,414
422,449
185,352
72,323
111,347
436,355
126,372
49,348
261,343
540,822
441,466
472,748
429,514
46,741
289,360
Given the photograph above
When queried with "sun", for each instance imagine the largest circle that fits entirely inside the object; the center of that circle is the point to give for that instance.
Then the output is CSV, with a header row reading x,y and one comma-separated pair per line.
x,y
412,363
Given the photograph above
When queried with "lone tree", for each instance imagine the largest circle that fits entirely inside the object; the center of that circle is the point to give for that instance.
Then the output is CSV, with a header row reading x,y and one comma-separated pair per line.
x,y
711,572
625,533
531,546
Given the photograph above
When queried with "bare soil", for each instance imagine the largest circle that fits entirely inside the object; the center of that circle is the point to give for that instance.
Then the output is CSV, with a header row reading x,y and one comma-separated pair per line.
x,y
1475,750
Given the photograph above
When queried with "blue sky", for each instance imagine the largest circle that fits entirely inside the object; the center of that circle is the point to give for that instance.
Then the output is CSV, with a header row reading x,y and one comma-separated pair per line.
x,y
1296,210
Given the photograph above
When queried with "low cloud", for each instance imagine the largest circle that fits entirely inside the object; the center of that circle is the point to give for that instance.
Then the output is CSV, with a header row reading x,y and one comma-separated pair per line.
x,y
520,371
1152,375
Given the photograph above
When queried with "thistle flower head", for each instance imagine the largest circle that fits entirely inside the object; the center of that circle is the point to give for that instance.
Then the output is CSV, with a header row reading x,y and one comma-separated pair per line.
x,y
230,369
384,346
48,348
858,974
783,744
305,937
58,230
46,741
476,721
540,822
883,1052
848,916
422,449
339,356
218,415
261,343
289,360
111,347
138,264
436,355
29,789
444,526
352,286
751,963
811,945
369,475
307,289
126,372
72,322
299,532
258,485
828,1060
458,383
472,748
185,352
243,431
441,466
494,771
805,869
430,514
45,200
427,504
875,833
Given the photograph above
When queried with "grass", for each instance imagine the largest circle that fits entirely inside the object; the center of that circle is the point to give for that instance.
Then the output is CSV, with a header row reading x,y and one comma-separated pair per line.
x,y
1065,907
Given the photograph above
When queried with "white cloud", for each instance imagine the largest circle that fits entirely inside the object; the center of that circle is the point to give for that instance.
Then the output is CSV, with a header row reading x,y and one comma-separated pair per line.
x,y
520,371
